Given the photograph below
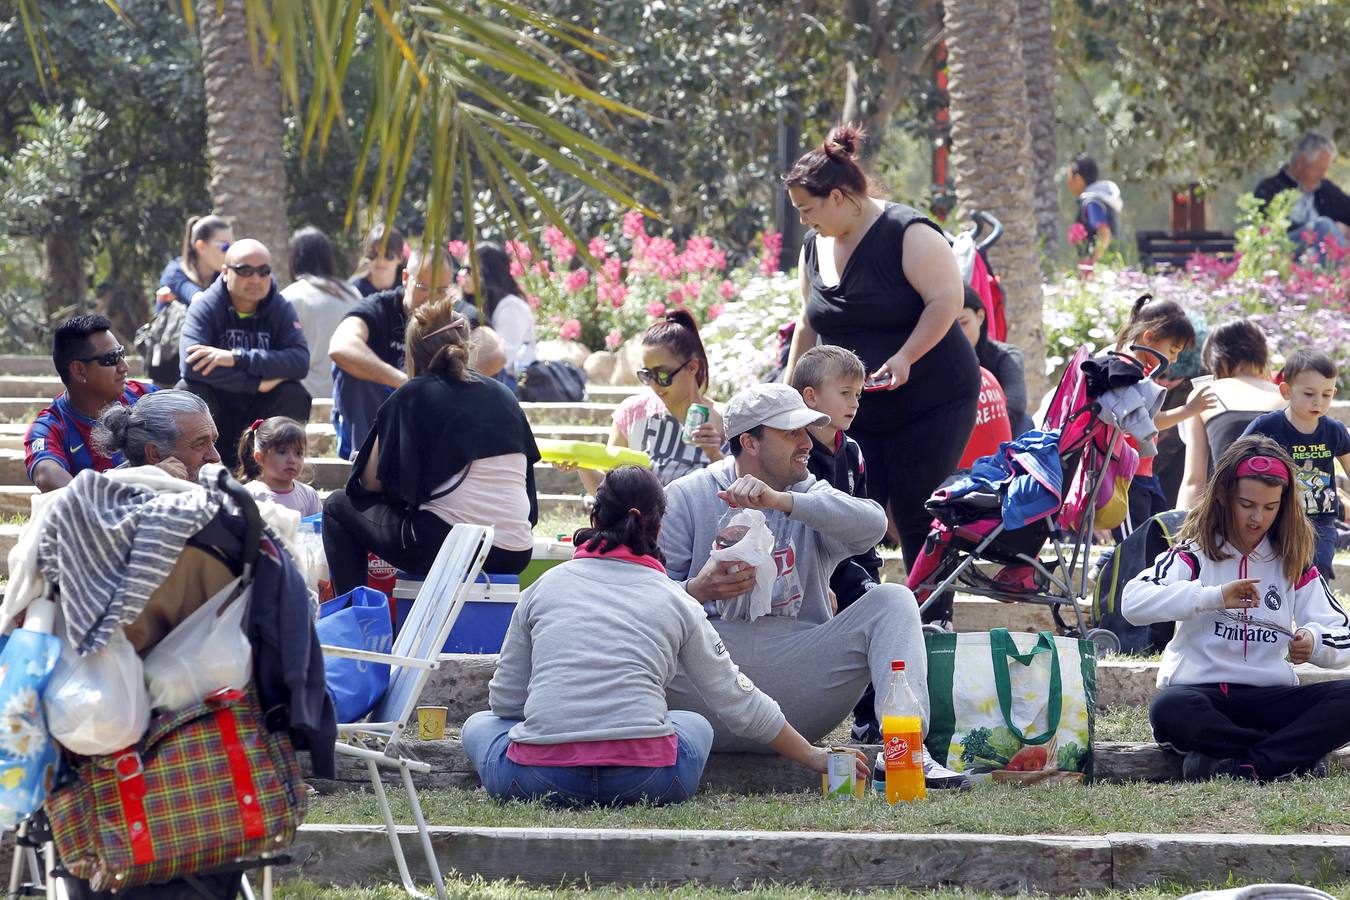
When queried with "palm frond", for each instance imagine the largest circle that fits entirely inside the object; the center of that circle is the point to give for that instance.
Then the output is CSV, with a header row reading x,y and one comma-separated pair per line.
x,y
469,79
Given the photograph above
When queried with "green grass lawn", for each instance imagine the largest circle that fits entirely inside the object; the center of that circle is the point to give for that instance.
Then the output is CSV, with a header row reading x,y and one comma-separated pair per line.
x,y
1124,723
556,522
1305,806
507,890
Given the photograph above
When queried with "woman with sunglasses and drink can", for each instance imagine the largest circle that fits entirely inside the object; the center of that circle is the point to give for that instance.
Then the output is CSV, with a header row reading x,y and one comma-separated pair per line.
x,y
675,371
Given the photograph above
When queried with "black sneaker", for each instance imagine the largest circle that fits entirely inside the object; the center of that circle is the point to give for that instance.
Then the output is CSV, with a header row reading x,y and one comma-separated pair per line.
x,y
865,733
937,777
1319,769
1199,767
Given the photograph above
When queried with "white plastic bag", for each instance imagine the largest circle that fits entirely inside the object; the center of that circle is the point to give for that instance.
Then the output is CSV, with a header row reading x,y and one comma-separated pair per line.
x,y
743,536
311,557
206,652
97,704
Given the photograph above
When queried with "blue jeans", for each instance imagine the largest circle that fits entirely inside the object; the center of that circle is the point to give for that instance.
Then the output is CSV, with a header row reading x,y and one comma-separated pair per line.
x,y
1324,529
485,741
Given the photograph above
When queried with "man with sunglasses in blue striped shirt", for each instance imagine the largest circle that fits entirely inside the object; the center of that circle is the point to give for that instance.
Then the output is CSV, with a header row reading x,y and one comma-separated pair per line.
x,y
92,366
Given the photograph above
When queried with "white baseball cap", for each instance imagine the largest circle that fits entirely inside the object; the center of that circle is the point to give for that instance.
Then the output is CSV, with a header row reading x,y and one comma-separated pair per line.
x,y
774,405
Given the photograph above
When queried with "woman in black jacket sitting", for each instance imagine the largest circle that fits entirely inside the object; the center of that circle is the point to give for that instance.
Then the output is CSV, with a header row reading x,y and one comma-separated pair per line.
x,y
1003,361
449,446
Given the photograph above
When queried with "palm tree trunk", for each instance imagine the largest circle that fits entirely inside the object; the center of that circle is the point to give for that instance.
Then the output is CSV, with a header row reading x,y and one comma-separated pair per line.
x,y
991,157
1038,59
244,131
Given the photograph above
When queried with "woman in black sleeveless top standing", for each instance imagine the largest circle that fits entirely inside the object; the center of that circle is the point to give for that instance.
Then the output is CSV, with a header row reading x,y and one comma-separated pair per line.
x,y
891,293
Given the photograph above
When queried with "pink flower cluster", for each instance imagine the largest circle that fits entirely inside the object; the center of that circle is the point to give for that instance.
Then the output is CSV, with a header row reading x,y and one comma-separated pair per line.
x,y
562,249
1077,233
773,249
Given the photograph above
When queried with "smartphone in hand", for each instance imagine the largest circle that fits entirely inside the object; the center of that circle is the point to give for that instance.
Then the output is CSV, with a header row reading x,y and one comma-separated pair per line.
x,y
877,382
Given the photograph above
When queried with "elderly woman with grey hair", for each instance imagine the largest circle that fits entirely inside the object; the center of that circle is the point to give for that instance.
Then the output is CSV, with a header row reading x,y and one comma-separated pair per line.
x,y
170,429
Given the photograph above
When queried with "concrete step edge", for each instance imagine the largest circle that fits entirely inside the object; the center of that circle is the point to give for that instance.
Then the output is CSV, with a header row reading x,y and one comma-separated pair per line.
x,y
846,861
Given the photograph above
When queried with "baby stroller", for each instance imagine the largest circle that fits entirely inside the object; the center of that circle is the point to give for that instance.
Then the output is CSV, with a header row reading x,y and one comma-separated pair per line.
x,y
972,247
212,791
991,526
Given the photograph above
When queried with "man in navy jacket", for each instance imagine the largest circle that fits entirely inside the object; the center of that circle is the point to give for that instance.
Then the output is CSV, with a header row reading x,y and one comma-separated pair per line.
x,y
243,350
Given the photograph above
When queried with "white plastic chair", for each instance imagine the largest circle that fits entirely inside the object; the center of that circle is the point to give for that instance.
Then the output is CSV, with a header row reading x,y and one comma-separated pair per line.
x,y
379,739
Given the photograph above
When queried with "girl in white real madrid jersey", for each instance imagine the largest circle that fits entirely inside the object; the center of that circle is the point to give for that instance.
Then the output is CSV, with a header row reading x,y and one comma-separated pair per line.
x,y
1248,603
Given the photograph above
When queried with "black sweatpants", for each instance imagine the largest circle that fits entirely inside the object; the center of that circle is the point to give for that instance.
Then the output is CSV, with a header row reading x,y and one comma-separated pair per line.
x,y
909,461
232,413
352,528
1276,730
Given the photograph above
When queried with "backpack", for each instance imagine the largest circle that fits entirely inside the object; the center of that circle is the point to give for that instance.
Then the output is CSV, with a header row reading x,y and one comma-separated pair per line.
x,y
552,382
1119,565
157,341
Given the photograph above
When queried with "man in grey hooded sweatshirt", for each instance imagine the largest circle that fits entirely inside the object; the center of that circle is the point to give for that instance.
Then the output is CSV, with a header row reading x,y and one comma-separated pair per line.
x,y
814,663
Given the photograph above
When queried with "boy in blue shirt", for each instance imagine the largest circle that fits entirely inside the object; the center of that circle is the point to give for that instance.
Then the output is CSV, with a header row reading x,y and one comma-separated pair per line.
x,y
830,380
1314,441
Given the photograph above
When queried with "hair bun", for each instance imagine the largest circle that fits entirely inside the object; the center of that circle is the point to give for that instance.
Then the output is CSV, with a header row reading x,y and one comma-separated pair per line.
x,y
845,140
117,419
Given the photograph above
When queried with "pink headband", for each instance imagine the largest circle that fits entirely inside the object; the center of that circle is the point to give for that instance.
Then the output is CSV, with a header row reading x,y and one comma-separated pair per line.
x,y
1268,466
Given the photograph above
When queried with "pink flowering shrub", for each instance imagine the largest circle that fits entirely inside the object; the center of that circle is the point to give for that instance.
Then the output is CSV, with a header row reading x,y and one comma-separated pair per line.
x,y
640,277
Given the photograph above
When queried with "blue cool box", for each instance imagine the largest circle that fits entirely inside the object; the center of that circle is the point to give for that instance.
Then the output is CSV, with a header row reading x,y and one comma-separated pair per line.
x,y
482,623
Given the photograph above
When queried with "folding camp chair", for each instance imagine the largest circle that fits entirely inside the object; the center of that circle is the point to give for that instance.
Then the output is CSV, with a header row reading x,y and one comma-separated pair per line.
x,y
379,740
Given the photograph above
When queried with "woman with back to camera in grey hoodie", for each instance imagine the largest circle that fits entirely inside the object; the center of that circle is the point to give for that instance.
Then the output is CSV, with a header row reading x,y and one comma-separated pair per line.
x,y
579,712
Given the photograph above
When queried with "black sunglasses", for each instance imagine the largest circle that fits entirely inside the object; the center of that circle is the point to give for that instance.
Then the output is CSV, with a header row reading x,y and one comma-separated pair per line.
x,y
661,376
108,358
247,271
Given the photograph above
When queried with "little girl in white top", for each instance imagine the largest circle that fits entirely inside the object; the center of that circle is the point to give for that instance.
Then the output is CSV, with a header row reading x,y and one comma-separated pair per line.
x,y
271,459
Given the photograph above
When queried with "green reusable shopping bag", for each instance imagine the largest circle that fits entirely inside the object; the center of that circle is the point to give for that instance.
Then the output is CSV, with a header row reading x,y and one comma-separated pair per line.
x,y
1019,707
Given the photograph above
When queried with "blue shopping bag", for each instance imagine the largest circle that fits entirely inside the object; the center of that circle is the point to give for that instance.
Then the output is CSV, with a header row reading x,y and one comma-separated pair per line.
x,y
358,620
28,755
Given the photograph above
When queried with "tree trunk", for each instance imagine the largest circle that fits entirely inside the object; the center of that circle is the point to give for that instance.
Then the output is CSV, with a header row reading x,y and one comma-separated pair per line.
x,y
244,131
1038,60
63,283
991,157
873,91
122,296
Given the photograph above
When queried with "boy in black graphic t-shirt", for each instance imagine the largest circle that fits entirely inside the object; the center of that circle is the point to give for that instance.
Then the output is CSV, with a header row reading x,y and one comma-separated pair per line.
x,y
1314,441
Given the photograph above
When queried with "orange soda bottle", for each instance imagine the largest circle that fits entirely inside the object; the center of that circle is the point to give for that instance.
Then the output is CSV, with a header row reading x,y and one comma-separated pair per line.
x,y
902,740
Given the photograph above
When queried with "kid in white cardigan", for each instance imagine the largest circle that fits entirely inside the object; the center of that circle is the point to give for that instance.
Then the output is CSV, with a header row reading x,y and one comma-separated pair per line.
x,y
1242,589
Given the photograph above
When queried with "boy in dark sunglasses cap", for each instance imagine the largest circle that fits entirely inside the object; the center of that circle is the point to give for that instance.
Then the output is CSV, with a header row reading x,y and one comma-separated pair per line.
x,y
243,348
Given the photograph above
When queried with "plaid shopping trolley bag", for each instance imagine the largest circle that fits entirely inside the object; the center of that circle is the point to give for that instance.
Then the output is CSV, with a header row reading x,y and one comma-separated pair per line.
x,y
207,786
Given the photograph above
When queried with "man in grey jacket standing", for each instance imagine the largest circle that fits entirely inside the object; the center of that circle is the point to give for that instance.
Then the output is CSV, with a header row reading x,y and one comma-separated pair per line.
x,y
814,663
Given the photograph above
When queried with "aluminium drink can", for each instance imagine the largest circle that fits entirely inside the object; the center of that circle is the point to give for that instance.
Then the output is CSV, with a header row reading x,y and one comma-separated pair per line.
x,y
697,416
841,776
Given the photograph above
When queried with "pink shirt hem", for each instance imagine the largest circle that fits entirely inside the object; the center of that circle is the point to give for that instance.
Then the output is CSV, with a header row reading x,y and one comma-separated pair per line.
x,y
653,753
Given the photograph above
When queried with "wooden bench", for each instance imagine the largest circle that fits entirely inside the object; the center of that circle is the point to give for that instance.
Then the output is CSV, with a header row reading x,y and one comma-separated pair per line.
x,y
1171,249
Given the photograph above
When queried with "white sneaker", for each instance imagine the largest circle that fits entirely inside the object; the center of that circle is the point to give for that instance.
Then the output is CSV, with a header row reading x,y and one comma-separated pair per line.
x,y
938,777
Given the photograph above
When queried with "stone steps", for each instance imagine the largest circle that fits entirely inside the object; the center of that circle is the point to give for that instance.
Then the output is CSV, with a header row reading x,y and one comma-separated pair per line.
x,y
1042,865
23,409
35,376
329,473
461,683
767,773
322,440
16,500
